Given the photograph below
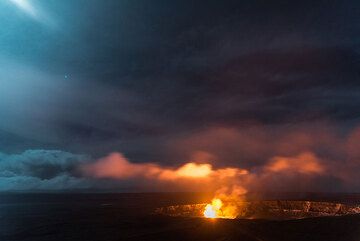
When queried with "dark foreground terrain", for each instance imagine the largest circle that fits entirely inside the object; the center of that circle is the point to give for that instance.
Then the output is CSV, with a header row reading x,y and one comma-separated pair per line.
x,y
110,217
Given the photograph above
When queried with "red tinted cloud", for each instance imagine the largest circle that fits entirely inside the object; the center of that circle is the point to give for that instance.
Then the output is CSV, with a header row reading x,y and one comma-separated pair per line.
x,y
118,167
305,163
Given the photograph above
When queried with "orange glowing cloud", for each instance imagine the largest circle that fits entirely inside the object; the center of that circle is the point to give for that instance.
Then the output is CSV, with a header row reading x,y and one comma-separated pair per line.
x,y
118,167
194,170
304,163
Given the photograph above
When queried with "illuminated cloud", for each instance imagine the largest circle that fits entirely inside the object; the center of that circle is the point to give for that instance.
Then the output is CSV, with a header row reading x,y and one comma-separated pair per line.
x,y
59,170
40,170
118,167
305,163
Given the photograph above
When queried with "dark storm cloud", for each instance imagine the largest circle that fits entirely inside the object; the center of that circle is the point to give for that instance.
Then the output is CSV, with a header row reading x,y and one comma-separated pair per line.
x,y
139,76
40,170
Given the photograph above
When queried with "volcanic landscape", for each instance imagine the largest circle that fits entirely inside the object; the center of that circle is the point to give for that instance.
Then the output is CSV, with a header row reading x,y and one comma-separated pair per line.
x,y
279,210
177,216
159,120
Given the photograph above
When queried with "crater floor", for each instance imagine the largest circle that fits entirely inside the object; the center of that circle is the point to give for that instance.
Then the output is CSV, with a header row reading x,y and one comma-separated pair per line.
x,y
282,210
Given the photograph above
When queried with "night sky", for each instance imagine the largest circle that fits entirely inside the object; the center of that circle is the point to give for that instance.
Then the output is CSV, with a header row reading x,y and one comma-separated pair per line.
x,y
231,83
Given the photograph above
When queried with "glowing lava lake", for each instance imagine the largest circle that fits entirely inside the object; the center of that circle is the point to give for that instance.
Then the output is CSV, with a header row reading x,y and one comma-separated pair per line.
x,y
280,210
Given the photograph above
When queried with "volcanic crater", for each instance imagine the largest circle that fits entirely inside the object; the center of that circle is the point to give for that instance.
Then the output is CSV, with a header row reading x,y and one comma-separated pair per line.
x,y
273,210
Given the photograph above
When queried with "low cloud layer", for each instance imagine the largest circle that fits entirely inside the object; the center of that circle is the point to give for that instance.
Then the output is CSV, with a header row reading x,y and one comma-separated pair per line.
x,y
299,159
306,163
40,170
189,176
283,170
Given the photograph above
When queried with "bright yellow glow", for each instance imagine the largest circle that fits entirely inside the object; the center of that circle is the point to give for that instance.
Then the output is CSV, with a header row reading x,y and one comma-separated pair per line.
x,y
213,210
209,212
194,170
219,209
217,203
